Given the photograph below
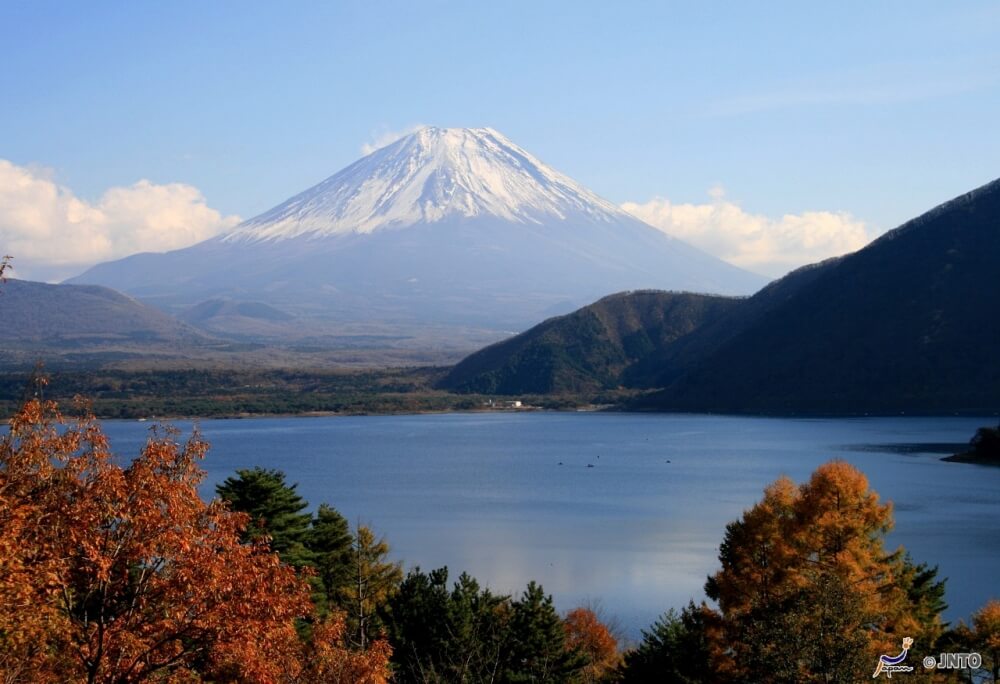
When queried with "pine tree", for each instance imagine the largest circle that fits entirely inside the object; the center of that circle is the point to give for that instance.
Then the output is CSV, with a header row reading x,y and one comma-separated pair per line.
x,y
539,652
275,510
442,636
480,627
419,628
329,541
674,650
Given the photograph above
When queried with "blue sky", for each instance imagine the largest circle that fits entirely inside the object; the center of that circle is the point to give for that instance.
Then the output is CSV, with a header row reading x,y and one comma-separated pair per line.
x,y
876,110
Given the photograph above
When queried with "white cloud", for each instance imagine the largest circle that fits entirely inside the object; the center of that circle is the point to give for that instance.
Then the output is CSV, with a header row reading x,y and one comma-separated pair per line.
x,y
53,234
383,137
766,245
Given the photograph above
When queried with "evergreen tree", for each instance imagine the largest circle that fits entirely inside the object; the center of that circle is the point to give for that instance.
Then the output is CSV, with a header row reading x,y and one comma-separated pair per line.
x,y
439,636
675,650
418,627
330,542
480,627
539,652
925,594
275,510
323,542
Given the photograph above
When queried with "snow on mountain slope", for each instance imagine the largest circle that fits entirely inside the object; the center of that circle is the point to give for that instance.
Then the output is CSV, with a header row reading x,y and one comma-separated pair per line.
x,y
427,177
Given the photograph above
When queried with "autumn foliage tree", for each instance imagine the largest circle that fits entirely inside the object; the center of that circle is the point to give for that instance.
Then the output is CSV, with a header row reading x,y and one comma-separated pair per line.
x,y
374,579
112,573
807,591
981,636
592,640
986,636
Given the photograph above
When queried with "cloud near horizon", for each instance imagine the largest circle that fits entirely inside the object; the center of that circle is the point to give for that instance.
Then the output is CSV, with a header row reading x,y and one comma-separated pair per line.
x,y
766,245
53,234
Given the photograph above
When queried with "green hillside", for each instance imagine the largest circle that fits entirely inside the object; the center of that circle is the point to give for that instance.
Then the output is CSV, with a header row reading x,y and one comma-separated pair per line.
x,y
589,349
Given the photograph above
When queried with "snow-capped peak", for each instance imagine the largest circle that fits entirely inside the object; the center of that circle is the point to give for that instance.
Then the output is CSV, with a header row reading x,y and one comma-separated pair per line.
x,y
428,176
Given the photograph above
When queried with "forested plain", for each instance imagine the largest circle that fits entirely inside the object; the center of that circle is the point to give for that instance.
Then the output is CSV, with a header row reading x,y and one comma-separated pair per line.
x,y
231,392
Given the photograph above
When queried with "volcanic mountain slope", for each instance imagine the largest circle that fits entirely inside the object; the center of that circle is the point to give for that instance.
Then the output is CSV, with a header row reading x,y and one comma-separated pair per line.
x,y
459,227
906,324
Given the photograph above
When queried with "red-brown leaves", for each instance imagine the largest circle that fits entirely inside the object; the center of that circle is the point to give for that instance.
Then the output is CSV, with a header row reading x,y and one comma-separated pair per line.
x,y
328,658
119,574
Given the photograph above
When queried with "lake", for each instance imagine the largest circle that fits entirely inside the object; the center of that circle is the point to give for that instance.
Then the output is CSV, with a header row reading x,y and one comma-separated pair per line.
x,y
511,497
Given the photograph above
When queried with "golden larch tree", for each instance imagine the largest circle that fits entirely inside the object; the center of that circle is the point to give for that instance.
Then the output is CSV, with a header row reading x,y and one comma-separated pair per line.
x,y
807,591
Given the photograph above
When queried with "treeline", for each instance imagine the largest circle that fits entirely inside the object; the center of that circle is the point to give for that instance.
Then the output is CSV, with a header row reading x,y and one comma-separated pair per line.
x,y
438,632
124,574
226,392
806,592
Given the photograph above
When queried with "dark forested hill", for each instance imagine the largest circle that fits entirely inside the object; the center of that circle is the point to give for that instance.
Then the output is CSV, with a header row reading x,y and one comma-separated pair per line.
x,y
589,349
909,323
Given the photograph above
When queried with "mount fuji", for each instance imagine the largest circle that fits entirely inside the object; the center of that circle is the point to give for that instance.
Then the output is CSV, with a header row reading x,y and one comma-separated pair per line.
x,y
447,227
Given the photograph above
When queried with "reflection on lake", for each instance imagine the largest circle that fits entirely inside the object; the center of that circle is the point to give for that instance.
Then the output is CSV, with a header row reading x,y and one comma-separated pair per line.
x,y
510,497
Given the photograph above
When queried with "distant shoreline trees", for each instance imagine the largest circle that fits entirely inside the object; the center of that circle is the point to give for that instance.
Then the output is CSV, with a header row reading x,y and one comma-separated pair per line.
x,y
984,447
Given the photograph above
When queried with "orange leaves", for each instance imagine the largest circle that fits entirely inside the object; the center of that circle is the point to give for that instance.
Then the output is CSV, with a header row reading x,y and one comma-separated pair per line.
x,y
125,574
843,520
328,658
587,635
832,523
986,623
809,559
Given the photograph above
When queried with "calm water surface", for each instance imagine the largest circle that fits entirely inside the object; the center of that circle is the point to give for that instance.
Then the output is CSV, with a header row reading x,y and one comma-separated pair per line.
x,y
510,497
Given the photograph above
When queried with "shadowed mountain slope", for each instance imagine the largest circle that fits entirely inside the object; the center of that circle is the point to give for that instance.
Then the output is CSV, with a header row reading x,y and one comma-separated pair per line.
x,y
907,323
588,349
